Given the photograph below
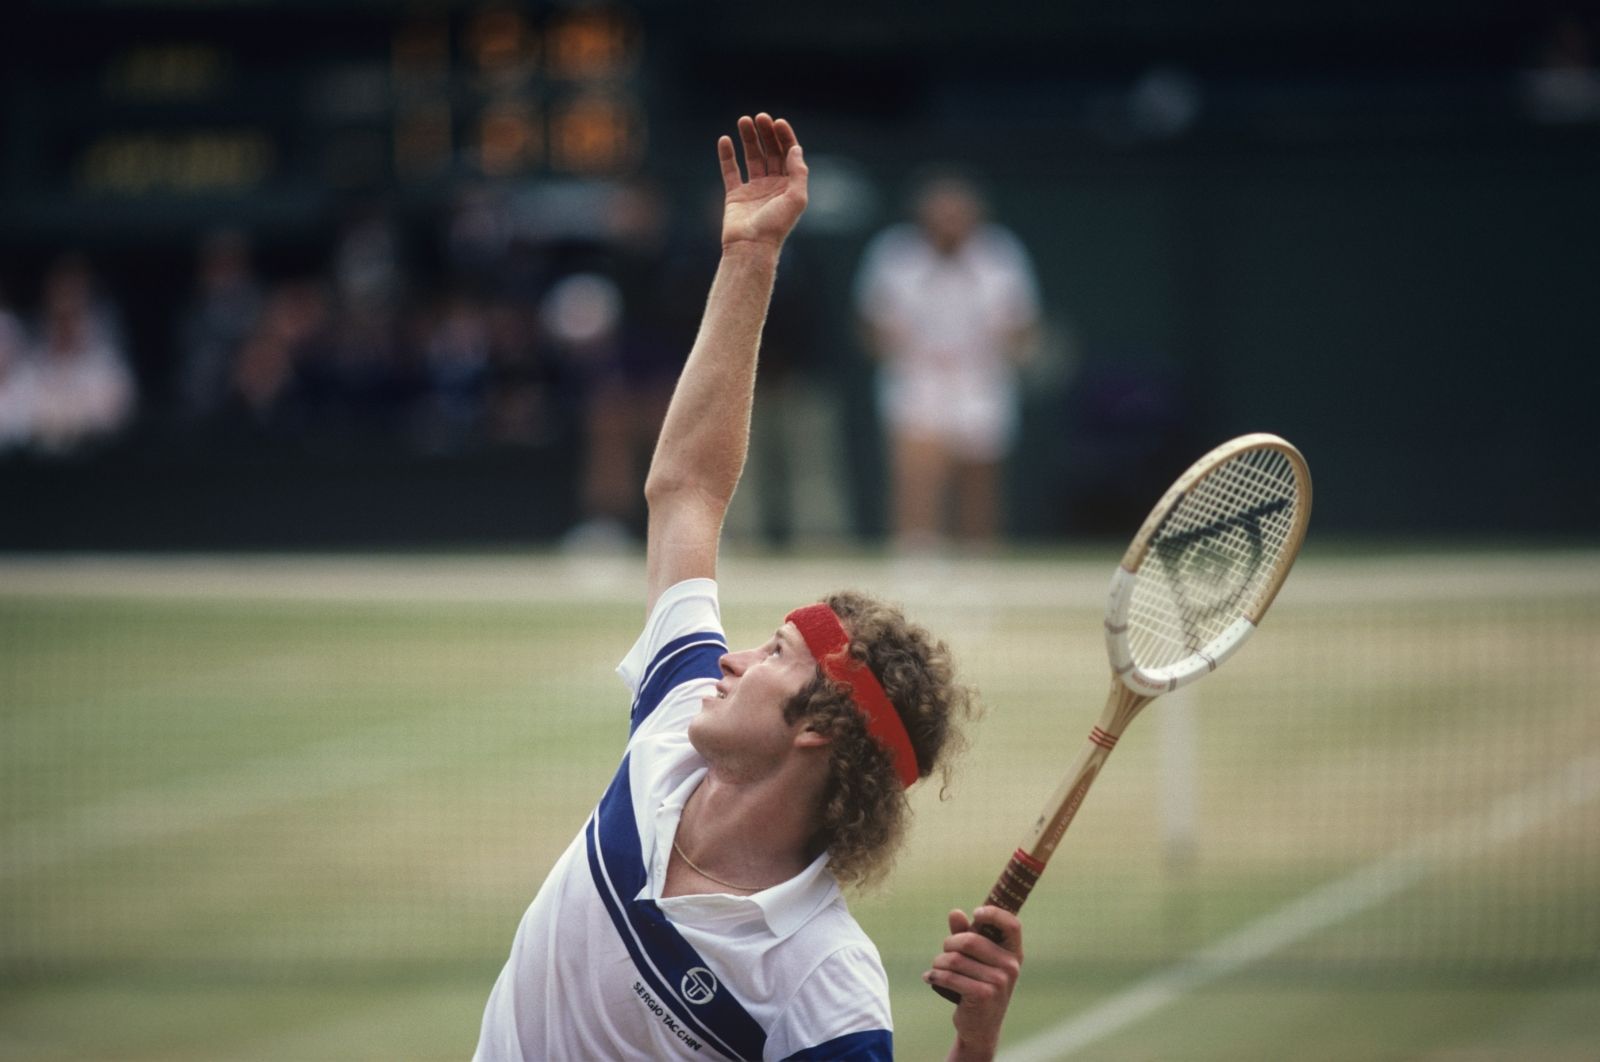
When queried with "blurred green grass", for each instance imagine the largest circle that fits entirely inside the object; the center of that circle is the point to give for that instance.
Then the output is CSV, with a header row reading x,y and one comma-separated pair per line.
x,y
294,809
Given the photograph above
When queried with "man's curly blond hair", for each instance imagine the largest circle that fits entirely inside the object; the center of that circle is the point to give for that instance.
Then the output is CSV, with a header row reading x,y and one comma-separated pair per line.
x,y
865,813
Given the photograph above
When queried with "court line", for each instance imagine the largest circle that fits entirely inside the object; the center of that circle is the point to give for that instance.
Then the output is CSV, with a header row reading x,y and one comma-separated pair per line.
x,y
956,583
1507,819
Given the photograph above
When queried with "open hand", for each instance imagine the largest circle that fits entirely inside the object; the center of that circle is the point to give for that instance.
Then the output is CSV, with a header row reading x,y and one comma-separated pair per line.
x,y
762,209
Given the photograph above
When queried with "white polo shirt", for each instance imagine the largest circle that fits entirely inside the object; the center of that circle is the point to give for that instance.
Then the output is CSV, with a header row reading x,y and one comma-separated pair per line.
x,y
950,320
604,967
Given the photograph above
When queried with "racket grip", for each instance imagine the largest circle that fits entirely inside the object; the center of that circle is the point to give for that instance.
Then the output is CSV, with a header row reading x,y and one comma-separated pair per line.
x,y
1016,881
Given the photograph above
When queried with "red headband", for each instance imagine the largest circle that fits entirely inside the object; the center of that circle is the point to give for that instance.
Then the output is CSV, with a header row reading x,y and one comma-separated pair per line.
x,y
826,638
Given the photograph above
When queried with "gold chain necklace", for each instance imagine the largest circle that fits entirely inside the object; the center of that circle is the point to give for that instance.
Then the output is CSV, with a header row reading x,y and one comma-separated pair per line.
x,y
711,877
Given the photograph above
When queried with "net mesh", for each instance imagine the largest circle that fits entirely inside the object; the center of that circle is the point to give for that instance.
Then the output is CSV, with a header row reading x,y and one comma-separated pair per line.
x,y
303,814
1214,554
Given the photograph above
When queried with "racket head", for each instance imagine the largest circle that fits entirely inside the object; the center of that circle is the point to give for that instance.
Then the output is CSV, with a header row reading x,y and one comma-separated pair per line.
x,y
1207,563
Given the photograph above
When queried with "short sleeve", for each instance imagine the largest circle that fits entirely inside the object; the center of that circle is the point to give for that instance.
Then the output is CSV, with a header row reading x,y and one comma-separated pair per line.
x,y
841,1011
1020,291
682,641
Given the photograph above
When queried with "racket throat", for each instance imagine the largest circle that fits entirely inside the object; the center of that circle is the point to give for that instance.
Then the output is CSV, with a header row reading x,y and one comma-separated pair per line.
x,y
1122,705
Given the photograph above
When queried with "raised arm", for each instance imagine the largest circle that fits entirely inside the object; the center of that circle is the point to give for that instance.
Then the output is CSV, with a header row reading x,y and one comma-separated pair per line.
x,y
701,452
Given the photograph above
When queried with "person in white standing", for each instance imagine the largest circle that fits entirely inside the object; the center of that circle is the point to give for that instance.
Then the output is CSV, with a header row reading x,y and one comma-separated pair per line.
x,y
699,913
950,308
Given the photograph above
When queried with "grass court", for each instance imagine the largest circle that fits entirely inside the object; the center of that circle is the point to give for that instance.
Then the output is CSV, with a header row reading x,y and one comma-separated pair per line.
x,y
292,808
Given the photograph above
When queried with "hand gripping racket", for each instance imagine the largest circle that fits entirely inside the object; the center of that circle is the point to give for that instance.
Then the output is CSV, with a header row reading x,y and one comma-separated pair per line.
x,y
1191,588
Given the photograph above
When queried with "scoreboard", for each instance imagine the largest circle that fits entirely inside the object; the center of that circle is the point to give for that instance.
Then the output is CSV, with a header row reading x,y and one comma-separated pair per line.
x,y
128,112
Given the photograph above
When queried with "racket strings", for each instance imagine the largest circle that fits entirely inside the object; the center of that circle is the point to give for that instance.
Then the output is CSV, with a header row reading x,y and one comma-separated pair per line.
x,y
1212,556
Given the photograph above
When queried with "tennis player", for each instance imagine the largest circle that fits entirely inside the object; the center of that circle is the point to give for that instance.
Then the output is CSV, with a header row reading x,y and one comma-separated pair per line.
x,y
698,914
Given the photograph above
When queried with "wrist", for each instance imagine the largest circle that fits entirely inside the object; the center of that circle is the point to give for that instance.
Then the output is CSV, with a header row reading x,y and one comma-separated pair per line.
x,y
755,250
964,1050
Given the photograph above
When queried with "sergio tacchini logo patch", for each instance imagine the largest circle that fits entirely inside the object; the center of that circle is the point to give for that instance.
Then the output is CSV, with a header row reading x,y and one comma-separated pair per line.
x,y
699,985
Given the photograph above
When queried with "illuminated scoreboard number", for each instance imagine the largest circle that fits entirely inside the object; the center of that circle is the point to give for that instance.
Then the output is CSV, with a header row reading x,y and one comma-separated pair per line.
x,y
597,44
195,161
556,99
596,132
510,138
599,127
497,90
593,132
170,154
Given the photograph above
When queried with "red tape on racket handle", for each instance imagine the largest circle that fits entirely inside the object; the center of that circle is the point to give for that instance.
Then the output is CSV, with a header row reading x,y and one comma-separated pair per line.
x,y
1016,881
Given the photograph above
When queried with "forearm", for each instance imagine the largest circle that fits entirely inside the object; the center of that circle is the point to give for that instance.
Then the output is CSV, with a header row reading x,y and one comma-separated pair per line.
x,y
701,450
706,433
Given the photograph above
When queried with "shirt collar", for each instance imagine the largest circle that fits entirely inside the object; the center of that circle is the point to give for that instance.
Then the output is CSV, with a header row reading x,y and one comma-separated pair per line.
x,y
784,907
790,904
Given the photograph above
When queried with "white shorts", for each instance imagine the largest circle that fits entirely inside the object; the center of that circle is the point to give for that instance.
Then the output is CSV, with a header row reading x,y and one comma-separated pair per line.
x,y
973,423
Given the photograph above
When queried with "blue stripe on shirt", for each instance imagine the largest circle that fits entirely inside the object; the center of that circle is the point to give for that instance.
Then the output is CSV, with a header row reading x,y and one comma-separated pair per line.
x,y
681,660
661,955
871,1045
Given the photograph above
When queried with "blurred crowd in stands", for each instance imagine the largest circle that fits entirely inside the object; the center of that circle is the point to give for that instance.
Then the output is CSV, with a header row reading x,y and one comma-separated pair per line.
x,y
479,349
557,315
522,320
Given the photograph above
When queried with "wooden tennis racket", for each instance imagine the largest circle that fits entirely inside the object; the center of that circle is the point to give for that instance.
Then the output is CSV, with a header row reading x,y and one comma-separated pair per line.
x,y
1191,588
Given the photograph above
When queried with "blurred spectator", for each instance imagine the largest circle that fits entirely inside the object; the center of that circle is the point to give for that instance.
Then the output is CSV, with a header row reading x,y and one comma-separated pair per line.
x,y
82,389
478,238
456,363
517,404
16,382
610,322
354,374
366,262
486,373
264,378
794,470
950,309
220,317
582,316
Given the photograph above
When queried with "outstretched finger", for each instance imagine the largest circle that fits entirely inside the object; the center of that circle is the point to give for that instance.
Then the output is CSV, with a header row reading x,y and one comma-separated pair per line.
x,y
766,129
730,164
787,142
785,134
754,164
